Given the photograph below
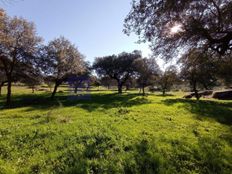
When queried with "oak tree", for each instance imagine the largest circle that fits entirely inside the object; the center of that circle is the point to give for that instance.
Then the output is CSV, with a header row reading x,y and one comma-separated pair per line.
x,y
61,60
147,71
18,46
167,78
119,67
198,68
174,25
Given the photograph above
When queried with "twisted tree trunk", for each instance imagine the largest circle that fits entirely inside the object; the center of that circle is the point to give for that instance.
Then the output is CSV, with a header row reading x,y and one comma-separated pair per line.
x,y
57,84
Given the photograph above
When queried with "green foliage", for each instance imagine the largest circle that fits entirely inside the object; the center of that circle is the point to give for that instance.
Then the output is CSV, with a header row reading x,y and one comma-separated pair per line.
x,y
198,69
119,68
184,24
113,133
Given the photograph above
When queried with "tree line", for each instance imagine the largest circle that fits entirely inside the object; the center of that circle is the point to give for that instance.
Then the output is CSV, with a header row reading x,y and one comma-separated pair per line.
x,y
206,61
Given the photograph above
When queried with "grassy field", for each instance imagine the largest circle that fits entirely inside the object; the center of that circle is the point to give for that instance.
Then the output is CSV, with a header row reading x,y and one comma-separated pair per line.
x,y
110,133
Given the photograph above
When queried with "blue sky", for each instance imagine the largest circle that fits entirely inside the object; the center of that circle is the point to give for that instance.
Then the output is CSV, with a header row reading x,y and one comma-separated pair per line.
x,y
94,26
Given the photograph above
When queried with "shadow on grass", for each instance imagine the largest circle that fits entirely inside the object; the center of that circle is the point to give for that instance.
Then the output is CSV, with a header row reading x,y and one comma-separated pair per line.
x,y
165,95
219,111
91,103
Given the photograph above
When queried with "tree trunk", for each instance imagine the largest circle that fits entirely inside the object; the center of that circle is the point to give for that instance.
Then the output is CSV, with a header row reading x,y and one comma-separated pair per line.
x,y
164,92
1,90
127,87
143,90
55,89
119,88
8,97
75,90
33,88
87,88
196,91
1,85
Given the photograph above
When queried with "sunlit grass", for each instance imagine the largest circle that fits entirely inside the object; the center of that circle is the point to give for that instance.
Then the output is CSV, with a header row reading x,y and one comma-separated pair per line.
x,y
110,133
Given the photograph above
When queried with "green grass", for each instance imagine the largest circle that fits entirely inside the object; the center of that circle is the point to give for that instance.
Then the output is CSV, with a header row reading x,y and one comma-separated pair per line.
x,y
112,133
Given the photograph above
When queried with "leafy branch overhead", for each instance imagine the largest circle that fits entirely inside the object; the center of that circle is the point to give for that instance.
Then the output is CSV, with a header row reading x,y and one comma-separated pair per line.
x,y
171,25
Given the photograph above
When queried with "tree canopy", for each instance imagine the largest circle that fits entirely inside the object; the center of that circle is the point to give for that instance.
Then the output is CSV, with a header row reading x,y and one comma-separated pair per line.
x,y
198,68
119,67
168,78
18,45
60,60
147,71
171,25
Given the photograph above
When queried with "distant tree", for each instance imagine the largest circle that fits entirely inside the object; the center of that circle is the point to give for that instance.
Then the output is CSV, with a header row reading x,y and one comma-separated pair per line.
x,y
147,71
81,80
95,81
32,79
171,25
198,68
167,78
49,81
224,70
87,75
107,82
131,83
60,61
119,67
18,46
32,84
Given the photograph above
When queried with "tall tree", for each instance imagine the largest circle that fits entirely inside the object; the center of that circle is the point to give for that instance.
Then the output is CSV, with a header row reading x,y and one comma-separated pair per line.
x,y
172,24
18,45
198,68
167,78
61,60
147,71
119,67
